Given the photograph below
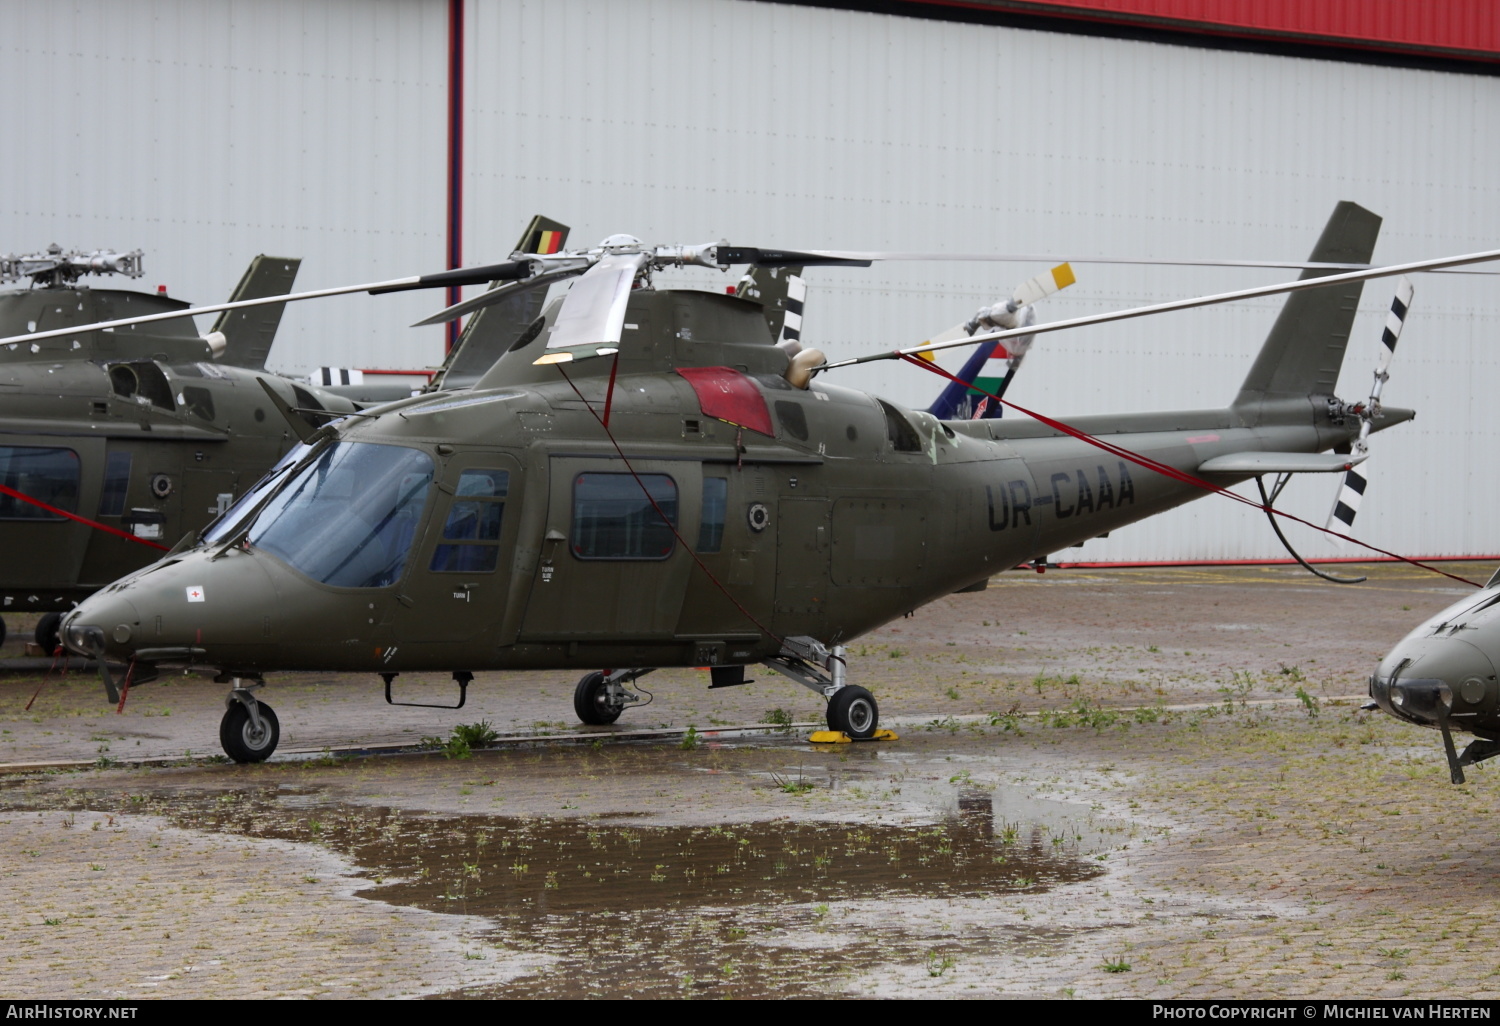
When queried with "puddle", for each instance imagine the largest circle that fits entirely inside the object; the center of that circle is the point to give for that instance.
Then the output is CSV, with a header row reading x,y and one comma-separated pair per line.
x,y
635,910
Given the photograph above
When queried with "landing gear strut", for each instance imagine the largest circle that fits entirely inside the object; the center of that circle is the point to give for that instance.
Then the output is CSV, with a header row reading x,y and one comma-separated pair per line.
x,y
601,697
249,731
852,710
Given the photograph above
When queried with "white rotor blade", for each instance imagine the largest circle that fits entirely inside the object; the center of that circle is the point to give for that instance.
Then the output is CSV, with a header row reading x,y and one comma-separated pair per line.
x,y
1188,304
1046,258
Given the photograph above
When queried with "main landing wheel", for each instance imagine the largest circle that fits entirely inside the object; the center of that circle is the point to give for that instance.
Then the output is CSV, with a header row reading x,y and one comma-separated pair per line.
x,y
46,632
592,703
241,740
852,710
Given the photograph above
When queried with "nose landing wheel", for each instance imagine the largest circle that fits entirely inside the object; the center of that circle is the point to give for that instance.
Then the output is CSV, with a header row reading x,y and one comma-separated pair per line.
x,y
249,731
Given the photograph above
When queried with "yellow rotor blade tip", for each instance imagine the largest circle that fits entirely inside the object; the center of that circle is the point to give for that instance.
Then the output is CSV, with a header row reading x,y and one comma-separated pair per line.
x,y
1062,274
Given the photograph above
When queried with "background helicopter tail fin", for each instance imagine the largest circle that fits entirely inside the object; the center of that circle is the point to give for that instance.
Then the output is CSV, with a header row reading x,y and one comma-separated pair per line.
x,y
250,332
1303,352
960,401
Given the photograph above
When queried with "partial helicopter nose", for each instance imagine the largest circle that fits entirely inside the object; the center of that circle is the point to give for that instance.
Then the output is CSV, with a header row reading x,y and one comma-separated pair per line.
x,y
103,625
1424,680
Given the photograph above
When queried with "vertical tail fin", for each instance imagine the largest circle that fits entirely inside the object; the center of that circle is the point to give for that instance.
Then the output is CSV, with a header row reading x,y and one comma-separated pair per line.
x,y
543,235
1302,354
250,332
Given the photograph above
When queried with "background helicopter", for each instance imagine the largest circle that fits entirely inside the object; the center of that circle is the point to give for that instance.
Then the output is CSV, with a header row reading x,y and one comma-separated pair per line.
x,y
1443,675
646,478
147,431
151,433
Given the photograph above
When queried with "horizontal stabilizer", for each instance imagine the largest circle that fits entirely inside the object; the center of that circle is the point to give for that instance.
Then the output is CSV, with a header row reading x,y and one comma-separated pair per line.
x,y
1280,463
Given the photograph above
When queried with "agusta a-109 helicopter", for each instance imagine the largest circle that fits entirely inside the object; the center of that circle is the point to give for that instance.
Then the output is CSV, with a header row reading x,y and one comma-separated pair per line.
x,y
647,479
149,430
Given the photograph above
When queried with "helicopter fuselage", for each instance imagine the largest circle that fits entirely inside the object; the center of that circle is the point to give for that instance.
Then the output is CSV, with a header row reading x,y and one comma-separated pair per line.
x,y
504,527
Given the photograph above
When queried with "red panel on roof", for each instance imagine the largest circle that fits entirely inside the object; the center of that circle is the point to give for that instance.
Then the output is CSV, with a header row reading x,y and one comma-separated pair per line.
x,y
726,394
1468,29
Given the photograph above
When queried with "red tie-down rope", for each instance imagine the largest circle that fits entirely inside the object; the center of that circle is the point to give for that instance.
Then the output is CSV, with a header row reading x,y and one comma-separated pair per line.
x,y
1175,474
6,490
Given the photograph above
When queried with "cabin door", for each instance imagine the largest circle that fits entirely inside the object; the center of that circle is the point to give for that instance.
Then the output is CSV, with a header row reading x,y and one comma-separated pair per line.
x,y
609,567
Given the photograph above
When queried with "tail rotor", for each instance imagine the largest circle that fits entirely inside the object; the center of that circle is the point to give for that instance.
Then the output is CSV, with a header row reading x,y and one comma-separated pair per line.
x,y
1356,478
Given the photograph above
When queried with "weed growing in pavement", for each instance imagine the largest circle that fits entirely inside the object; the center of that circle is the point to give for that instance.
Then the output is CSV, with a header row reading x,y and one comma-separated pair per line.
x,y
779,718
691,740
1118,965
1081,713
476,735
1009,720
1309,702
799,786
938,963
457,748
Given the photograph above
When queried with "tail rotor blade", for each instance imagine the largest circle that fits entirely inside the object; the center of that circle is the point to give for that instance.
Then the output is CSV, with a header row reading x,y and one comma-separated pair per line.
x,y
1346,503
1043,285
1394,321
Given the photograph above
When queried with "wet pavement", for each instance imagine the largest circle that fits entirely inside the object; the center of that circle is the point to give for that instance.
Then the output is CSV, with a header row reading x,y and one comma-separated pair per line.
x,y
1082,803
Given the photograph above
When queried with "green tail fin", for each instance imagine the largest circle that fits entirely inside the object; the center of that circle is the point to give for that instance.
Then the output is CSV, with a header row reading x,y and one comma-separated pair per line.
x,y
250,332
1305,349
491,331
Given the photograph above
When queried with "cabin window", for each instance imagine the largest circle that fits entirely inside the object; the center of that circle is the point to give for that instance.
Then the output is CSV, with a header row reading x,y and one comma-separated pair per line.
x,y
471,533
116,482
615,516
48,475
711,525
348,518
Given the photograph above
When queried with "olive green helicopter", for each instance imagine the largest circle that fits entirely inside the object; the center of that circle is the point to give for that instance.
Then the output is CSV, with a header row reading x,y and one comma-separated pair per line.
x,y
655,477
114,443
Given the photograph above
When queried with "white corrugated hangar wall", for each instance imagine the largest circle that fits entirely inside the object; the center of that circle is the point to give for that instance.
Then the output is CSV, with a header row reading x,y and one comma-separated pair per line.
x,y
207,132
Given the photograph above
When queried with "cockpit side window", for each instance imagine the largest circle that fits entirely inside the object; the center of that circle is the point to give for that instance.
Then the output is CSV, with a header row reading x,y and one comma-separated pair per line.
x,y
471,532
349,517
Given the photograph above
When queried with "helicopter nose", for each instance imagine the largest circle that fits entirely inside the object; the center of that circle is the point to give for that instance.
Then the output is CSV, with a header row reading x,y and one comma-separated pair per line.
x,y
1424,679
102,625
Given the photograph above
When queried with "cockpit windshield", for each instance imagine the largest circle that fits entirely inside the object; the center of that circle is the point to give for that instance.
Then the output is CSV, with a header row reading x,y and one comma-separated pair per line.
x,y
348,518
234,516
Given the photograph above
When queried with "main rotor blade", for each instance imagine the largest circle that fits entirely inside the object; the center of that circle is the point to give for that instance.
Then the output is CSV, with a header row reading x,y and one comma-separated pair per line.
x,y
727,255
509,270
834,255
496,295
1186,304
477,275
